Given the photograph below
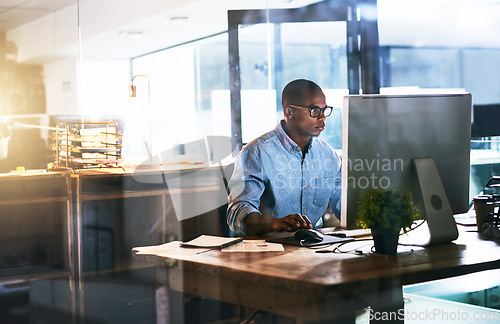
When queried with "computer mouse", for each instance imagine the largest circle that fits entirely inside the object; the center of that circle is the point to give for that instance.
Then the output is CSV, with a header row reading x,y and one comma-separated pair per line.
x,y
308,235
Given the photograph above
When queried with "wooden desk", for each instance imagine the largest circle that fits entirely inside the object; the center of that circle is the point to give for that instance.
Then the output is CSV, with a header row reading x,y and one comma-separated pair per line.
x,y
315,286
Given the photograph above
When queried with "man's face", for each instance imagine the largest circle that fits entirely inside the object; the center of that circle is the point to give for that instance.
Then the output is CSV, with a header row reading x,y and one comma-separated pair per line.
x,y
302,121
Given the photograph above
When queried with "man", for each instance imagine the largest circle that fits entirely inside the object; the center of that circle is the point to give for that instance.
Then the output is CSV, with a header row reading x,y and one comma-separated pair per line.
x,y
285,179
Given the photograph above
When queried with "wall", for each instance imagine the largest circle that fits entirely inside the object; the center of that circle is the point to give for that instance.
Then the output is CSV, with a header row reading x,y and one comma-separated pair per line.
x,y
61,85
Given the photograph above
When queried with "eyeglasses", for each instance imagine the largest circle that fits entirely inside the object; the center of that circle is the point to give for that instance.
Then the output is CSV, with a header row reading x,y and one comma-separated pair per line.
x,y
315,111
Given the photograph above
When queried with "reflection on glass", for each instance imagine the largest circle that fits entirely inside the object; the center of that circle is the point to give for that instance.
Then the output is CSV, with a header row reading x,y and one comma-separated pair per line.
x,y
308,50
187,97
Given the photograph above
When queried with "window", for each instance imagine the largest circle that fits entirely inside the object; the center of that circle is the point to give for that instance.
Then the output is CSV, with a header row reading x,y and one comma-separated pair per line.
x,y
429,46
189,96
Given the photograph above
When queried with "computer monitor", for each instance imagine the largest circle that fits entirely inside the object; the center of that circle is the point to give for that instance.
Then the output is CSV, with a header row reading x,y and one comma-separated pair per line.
x,y
485,120
385,137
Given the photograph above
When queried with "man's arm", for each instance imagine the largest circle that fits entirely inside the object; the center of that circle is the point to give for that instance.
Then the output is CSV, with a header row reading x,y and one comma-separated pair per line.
x,y
246,188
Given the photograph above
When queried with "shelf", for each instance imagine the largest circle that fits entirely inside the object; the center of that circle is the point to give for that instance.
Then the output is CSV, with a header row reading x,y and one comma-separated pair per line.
x,y
147,193
18,275
18,188
33,201
121,266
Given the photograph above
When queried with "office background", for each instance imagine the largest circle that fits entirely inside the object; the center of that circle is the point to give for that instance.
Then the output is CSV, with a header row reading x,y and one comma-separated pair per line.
x,y
214,68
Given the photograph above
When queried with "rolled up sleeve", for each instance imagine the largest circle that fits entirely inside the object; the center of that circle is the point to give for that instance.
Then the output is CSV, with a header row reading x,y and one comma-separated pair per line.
x,y
246,187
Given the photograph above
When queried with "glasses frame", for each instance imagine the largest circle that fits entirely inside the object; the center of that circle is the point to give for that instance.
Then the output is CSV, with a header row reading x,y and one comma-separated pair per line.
x,y
322,110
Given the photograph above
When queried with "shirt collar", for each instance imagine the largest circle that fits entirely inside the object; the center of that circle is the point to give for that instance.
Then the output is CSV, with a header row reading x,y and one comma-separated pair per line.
x,y
287,142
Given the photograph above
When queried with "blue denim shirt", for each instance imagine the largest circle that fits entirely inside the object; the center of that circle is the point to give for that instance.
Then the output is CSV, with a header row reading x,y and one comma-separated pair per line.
x,y
270,177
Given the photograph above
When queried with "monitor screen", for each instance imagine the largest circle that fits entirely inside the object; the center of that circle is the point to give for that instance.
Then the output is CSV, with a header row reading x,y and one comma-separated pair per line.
x,y
382,134
485,120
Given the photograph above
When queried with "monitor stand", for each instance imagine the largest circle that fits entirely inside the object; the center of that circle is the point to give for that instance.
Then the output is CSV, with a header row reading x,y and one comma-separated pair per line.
x,y
442,226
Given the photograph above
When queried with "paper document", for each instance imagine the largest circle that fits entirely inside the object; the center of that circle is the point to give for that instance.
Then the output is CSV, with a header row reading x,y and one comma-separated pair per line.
x,y
466,219
213,242
170,249
254,246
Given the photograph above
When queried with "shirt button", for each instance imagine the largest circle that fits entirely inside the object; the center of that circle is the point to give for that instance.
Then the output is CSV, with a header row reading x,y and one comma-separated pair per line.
x,y
305,212
291,151
305,187
296,148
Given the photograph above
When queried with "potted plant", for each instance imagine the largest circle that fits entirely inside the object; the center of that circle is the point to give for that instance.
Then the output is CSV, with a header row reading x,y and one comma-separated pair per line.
x,y
386,213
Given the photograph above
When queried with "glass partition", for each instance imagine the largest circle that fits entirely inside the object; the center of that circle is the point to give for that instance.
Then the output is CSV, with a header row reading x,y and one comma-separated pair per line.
x,y
271,55
39,59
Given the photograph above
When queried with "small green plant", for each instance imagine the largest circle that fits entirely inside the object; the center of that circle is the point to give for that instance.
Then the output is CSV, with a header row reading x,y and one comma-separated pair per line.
x,y
386,210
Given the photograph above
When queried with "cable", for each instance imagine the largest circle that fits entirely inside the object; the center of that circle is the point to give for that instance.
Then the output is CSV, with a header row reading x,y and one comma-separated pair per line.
x,y
316,246
337,250
355,249
414,228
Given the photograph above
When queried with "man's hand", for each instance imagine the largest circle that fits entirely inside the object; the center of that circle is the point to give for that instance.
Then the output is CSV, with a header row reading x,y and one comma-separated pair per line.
x,y
291,223
257,224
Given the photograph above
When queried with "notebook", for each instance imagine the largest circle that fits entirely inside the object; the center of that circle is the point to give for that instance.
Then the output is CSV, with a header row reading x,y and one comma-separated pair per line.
x,y
212,242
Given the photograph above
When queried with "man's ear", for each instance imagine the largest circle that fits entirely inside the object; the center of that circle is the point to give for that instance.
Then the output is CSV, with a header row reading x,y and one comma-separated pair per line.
x,y
288,112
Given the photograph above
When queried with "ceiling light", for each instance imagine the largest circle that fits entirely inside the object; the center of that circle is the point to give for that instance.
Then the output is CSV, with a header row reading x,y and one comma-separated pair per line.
x,y
178,20
135,34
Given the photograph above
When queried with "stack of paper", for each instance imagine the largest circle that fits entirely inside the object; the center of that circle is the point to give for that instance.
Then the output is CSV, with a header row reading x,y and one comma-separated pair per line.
x,y
168,250
205,243
255,246
212,242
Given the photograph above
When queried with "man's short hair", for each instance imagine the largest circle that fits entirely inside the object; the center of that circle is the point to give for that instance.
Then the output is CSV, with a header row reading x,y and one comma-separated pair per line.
x,y
295,91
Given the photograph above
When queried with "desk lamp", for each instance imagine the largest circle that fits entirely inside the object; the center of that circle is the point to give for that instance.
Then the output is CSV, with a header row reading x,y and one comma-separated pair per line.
x,y
133,94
